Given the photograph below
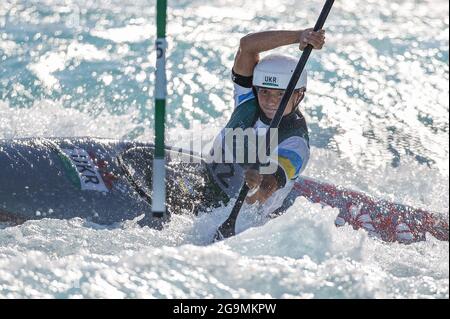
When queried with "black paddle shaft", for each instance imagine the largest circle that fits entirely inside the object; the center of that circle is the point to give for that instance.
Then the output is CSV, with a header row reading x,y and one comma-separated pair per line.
x,y
227,229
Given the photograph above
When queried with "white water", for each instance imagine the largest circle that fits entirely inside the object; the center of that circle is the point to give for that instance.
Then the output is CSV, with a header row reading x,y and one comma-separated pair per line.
x,y
298,255
397,75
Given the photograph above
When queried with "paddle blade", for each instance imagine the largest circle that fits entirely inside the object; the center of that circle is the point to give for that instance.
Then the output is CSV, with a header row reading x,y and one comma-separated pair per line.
x,y
224,231
227,229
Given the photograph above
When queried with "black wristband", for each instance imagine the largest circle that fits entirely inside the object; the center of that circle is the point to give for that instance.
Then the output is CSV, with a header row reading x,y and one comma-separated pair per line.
x,y
244,81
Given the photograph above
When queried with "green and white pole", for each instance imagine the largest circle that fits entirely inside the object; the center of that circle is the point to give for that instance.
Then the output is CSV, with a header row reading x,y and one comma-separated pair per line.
x,y
159,167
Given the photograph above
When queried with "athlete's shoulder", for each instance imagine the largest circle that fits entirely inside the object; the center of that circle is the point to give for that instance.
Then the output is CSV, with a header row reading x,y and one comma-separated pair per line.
x,y
294,142
294,126
301,127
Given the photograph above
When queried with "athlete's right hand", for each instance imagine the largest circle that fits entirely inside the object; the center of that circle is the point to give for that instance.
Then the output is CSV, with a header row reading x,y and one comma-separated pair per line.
x,y
253,178
261,186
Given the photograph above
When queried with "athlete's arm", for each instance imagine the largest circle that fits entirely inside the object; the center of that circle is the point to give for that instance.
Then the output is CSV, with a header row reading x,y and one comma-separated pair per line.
x,y
254,43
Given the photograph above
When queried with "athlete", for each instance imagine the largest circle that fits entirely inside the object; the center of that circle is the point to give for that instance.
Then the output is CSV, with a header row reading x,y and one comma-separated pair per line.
x,y
259,86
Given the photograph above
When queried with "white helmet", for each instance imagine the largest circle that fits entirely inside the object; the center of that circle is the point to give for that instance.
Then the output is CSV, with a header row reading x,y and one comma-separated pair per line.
x,y
275,71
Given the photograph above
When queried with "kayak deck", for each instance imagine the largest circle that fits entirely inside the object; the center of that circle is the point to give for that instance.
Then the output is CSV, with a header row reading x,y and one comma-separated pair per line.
x,y
381,218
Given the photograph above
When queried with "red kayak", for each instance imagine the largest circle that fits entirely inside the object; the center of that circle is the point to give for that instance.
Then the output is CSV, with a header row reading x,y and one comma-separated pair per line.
x,y
388,221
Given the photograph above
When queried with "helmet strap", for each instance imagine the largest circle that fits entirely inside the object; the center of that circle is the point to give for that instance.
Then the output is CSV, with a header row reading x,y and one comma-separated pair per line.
x,y
297,103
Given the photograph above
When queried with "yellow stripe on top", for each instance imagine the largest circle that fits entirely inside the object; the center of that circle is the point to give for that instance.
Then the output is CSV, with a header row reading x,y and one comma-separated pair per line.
x,y
287,166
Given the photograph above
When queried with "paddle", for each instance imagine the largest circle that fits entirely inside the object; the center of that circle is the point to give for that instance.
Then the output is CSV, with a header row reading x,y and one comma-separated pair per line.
x,y
159,162
227,229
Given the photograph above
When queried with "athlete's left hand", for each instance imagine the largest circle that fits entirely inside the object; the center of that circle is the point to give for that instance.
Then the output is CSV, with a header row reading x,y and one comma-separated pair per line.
x,y
309,36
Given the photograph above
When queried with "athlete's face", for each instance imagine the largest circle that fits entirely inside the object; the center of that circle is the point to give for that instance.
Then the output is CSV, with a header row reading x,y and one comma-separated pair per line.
x,y
269,100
